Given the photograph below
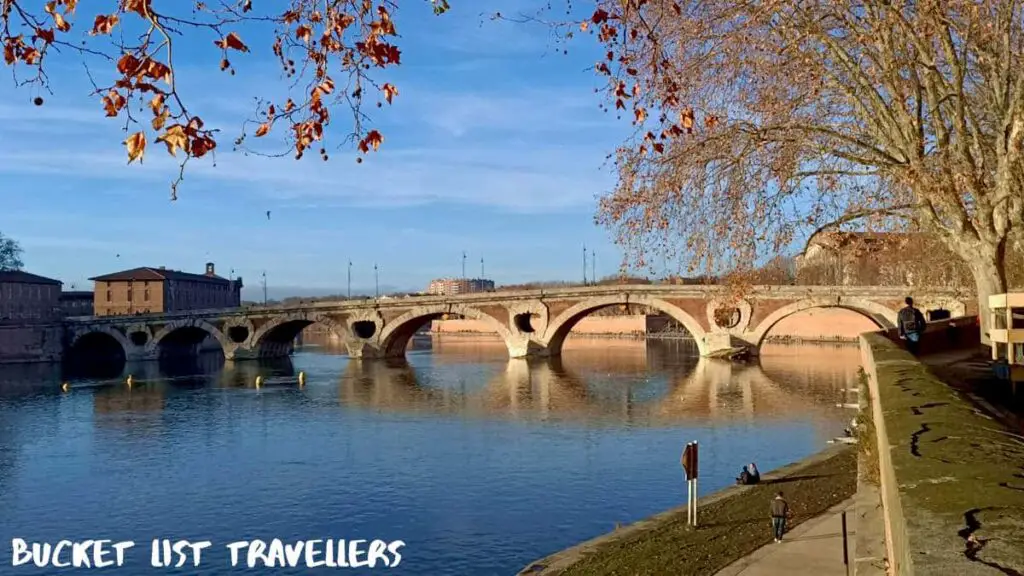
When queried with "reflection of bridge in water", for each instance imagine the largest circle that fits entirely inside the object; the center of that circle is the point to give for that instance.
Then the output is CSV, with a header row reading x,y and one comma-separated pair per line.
x,y
624,381
707,390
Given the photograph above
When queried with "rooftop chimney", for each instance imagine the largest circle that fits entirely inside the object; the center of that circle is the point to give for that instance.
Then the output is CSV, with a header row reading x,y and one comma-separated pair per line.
x,y
209,269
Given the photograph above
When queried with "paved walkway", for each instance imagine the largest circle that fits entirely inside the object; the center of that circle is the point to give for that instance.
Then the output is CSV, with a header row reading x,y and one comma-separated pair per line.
x,y
814,547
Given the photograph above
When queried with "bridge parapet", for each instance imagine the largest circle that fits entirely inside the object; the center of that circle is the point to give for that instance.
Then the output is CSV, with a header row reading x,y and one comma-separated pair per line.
x,y
531,322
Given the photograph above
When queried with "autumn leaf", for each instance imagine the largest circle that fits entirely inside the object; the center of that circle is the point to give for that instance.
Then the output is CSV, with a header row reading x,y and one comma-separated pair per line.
x,y
262,129
60,23
45,35
303,33
686,120
202,145
136,146
373,140
389,92
30,56
113,102
140,7
327,86
232,41
175,139
160,119
104,24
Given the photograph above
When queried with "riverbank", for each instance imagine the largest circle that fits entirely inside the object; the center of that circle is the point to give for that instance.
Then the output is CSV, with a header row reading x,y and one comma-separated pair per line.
x,y
733,524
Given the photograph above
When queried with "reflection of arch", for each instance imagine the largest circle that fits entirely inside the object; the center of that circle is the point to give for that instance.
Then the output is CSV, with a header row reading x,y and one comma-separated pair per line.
x,y
877,313
560,327
191,326
283,330
397,333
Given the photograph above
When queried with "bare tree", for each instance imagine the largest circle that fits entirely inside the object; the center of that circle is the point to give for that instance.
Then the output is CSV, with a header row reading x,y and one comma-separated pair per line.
x,y
762,122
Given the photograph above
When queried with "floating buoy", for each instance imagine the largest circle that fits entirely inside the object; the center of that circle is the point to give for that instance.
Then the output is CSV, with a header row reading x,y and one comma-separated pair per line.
x,y
259,381
65,386
302,378
128,381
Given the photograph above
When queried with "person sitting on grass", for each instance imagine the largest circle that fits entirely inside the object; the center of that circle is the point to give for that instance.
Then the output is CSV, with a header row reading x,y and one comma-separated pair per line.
x,y
749,475
755,474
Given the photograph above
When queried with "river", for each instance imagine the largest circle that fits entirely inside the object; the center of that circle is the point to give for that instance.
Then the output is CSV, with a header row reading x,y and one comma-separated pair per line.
x,y
477,463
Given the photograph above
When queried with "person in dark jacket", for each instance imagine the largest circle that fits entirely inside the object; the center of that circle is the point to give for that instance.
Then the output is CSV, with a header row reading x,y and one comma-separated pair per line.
x,y
779,510
910,322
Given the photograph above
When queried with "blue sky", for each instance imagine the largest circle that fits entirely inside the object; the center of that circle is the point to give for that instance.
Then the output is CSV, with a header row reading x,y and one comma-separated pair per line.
x,y
495,145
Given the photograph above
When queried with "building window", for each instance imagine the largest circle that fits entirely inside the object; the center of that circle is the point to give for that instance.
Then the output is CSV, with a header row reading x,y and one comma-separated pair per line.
x,y
129,294
108,296
145,294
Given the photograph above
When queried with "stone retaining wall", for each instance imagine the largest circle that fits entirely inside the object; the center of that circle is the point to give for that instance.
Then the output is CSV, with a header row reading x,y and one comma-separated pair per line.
x,y
30,343
952,478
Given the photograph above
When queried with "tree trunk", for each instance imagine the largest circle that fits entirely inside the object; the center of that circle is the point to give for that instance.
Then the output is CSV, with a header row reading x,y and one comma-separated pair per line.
x,y
988,268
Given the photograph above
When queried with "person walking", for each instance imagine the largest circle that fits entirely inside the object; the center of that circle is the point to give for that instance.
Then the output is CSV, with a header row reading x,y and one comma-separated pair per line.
x,y
910,322
779,511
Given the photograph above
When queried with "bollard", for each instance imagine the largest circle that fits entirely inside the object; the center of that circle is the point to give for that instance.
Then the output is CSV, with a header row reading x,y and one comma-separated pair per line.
x,y
259,381
302,378
65,386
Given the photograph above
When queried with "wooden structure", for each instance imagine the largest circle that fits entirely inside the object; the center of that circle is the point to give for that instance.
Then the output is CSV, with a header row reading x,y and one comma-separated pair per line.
x,y
1007,334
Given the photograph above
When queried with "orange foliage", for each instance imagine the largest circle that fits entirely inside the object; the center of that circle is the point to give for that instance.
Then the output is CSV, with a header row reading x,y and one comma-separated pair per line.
x,y
329,40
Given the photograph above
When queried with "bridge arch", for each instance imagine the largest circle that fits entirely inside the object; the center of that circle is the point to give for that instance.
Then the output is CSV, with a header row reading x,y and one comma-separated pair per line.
x,y
275,338
99,344
395,336
186,333
881,315
559,328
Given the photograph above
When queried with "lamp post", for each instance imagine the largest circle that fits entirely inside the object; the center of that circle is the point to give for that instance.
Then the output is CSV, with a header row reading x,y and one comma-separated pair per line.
x,y
482,276
264,287
463,264
376,282
584,264
593,267
349,279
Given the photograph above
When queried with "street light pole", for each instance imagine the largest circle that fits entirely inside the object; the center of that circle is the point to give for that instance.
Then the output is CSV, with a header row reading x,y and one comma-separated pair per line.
x,y
463,264
482,276
593,267
264,287
350,279
584,264
376,282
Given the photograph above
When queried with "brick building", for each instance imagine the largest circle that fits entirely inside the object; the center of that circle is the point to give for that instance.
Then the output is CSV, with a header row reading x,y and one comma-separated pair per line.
x,y
451,286
30,314
27,297
153,290
76,302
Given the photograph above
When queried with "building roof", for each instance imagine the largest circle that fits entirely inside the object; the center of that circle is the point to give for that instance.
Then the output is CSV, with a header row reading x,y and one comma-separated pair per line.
x,y
19,277
859,241
157,275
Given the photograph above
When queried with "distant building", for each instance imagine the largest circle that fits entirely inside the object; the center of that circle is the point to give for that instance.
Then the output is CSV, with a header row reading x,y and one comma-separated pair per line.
x,y
30,330
28,298
855,258
452,286
154,290
76,302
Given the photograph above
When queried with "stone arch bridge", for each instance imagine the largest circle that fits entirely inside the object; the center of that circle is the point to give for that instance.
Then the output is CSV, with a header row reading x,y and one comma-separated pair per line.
x,y
531,322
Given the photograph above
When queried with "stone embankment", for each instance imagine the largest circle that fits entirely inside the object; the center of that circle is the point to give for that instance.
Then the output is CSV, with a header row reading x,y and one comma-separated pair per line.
x,y
732,524
950,475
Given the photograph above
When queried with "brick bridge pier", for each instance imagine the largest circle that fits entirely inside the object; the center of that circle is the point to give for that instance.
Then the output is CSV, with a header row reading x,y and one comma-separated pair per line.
x,y
531,323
